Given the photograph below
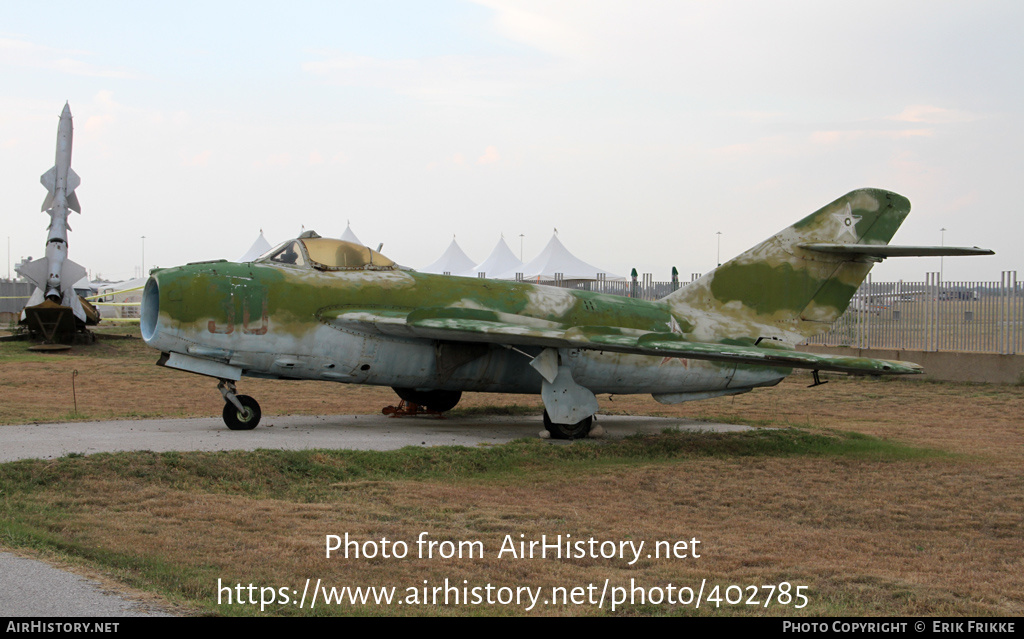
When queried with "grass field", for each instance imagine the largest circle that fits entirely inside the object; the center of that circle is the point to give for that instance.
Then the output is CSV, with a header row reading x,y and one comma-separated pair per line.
x,y
866,497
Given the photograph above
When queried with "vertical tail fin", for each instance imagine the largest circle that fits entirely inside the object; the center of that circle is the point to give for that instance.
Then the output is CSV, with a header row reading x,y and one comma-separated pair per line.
x,y
778,289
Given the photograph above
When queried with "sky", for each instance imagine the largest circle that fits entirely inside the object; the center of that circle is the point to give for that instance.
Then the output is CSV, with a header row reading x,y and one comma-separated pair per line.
x,y
640,129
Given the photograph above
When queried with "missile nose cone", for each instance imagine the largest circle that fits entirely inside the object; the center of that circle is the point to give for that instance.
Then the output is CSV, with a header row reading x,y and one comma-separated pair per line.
x,y
66,113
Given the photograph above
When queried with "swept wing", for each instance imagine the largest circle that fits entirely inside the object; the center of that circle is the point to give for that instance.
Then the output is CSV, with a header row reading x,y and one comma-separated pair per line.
x,y
475,325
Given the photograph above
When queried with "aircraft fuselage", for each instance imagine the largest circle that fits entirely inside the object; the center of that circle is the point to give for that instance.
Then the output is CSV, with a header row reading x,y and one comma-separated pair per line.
x,y
291,322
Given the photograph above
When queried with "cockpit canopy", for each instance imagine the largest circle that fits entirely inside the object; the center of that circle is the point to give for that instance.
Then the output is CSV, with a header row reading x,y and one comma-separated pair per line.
x,y
326,254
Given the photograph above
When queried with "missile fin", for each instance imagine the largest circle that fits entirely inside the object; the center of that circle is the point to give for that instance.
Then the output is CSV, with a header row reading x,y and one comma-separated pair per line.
x,y
49,179
71,300
35,271
70,274
73,182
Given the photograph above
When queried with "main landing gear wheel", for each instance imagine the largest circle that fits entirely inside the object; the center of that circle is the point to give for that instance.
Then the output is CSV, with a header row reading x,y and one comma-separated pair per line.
x,y
436,400
245,419
579,430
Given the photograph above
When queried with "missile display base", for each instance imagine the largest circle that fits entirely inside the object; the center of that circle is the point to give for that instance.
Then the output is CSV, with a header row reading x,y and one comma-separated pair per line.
x,y
52,323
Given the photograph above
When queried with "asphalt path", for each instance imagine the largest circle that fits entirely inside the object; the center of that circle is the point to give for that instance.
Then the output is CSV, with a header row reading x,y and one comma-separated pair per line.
x,y
301,432
31,588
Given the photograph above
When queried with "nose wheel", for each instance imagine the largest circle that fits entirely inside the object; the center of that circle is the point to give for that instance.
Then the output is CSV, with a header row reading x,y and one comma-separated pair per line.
x,y
579,430
241,412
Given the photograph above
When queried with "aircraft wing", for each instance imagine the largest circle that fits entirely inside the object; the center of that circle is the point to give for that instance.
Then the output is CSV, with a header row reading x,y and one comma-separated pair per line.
x,y
674,344
475,325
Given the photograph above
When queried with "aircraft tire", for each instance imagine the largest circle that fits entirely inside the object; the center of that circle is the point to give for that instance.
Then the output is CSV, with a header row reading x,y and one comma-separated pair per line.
x,y
579,430
242,421
438,400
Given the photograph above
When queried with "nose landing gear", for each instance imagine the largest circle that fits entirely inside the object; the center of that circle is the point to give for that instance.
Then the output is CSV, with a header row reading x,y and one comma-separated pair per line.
x,y
579,430
241,412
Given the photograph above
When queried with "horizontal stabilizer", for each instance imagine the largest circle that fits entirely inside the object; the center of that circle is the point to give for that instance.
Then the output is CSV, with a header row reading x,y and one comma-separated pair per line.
x,y
883,251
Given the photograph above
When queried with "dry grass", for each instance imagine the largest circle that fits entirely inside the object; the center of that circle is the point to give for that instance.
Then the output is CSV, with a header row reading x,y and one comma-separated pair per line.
x,y
118,379
931,534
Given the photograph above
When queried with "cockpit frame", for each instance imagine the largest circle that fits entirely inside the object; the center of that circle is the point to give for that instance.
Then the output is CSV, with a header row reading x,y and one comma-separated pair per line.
x,y
327,254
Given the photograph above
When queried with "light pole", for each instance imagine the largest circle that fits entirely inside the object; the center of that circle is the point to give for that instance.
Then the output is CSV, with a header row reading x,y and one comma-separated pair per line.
x,y
942,258
143,256
521,236
718,255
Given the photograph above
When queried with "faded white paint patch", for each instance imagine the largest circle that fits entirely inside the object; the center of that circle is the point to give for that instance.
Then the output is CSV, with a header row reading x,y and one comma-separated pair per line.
x,y
471,304
544,301
383,279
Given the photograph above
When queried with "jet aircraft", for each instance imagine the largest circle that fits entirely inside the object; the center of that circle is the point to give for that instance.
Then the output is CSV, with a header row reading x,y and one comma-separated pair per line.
x,y
326,309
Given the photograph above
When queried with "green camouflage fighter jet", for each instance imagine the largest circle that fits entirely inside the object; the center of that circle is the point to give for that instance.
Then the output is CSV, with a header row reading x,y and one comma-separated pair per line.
x,y
318,308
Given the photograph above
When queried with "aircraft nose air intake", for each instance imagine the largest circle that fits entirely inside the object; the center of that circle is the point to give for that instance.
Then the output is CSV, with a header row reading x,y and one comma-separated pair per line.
x,y
150,309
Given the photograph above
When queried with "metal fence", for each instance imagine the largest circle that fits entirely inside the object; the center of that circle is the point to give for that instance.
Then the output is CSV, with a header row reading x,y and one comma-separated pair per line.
x,y
14,295
933,315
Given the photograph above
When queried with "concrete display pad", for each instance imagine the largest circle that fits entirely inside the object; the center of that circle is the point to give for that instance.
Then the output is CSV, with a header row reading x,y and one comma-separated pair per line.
x,y
300,432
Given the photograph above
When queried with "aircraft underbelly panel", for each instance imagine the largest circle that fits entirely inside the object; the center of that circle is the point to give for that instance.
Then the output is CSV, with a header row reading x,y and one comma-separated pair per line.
x,y
494,369
623,373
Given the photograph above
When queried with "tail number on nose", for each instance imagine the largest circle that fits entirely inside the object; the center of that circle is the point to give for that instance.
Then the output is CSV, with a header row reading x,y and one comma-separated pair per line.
x,y
246,304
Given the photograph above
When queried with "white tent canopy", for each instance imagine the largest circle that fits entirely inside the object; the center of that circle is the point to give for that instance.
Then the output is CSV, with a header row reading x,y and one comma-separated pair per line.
x,y
501,264
349,236
259,247
453,261
556,259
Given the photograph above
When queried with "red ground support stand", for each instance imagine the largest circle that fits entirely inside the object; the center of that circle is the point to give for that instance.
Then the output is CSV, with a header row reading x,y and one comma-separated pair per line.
x,y
408,409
